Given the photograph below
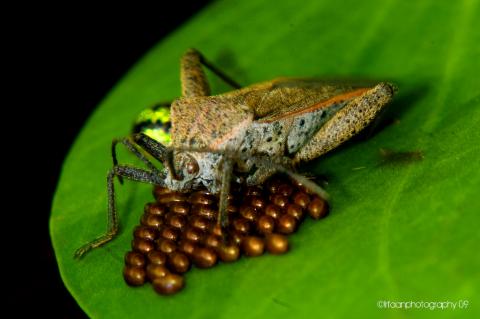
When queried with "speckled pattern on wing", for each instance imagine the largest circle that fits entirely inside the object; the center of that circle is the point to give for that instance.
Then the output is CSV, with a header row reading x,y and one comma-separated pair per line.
x,y
347,122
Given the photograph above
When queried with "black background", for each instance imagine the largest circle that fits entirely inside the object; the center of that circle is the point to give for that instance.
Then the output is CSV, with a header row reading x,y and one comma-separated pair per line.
x,y
61,63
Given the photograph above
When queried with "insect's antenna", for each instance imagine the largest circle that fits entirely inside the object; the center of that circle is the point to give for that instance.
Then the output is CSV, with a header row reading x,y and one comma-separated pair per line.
x,y
157,150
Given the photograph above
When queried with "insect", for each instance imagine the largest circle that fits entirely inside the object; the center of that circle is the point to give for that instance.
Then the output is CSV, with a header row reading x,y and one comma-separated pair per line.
x,y
247,134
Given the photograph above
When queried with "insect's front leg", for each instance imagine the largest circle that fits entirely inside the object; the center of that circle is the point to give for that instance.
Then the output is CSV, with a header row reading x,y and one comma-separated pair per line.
x,y
347,122
128,172
132,148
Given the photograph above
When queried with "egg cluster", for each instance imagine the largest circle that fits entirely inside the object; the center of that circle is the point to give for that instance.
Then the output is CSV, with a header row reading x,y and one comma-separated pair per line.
x,y
179,230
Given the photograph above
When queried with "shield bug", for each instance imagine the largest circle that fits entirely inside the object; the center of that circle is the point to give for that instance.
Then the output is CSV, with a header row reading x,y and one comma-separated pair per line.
x,y
249,133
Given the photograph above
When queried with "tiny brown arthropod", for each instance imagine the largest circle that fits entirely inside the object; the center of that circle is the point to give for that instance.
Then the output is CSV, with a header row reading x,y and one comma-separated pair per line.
x,y
254,131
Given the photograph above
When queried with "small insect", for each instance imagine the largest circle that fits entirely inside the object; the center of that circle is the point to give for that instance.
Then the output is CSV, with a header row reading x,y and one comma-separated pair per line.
x,y
247,134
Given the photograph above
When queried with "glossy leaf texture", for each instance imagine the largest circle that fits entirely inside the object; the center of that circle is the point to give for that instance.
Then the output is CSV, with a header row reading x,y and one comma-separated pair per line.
x,y
401,228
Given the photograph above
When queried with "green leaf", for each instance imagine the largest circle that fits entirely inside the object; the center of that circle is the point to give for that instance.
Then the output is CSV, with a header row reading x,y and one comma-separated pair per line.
x,y
398,231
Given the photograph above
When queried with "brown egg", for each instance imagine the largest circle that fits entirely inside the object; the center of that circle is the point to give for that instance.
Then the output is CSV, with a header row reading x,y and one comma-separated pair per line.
x,y
253,246
273,211
256,201
217,230
156,257
295,211
166,245
253,191
236,237
171,197
187,246
242,225
213,241
232,208
176,220
273,184
301,199
194,234
142,245
179,262
279,200
169,284
202,197
228,253
286,224
134,276
152,220
154,209
135,259
249,212
276,244
156,271
207,211
201,223
145,232
295,183
181,208
285,189
204,257
169,232
265,224
159,190
318,208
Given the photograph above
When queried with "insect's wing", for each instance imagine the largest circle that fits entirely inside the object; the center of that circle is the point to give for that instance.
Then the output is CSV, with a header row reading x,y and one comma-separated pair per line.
x,y
315,116
286,96
209,122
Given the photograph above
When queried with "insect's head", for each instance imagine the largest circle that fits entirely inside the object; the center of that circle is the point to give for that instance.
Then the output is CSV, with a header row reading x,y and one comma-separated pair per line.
x,y
190,169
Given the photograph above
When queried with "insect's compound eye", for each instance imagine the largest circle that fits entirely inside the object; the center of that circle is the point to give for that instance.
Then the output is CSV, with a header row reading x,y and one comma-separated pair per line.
x,y
192,166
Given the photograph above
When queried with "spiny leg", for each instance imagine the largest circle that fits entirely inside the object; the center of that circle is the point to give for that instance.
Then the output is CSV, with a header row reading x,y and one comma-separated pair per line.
x,y
128,144
128,172
194,81
227,168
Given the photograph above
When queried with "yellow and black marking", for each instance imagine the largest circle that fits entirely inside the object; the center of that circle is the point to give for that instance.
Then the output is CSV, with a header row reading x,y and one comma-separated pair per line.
x,y
155,123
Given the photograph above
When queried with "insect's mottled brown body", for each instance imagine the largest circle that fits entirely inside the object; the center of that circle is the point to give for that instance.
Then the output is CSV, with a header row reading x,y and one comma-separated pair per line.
x,y
299,119
252,132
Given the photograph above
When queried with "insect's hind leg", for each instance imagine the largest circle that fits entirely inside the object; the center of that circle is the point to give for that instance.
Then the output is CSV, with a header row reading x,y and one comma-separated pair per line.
x,y
270,166
194,81
131,173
